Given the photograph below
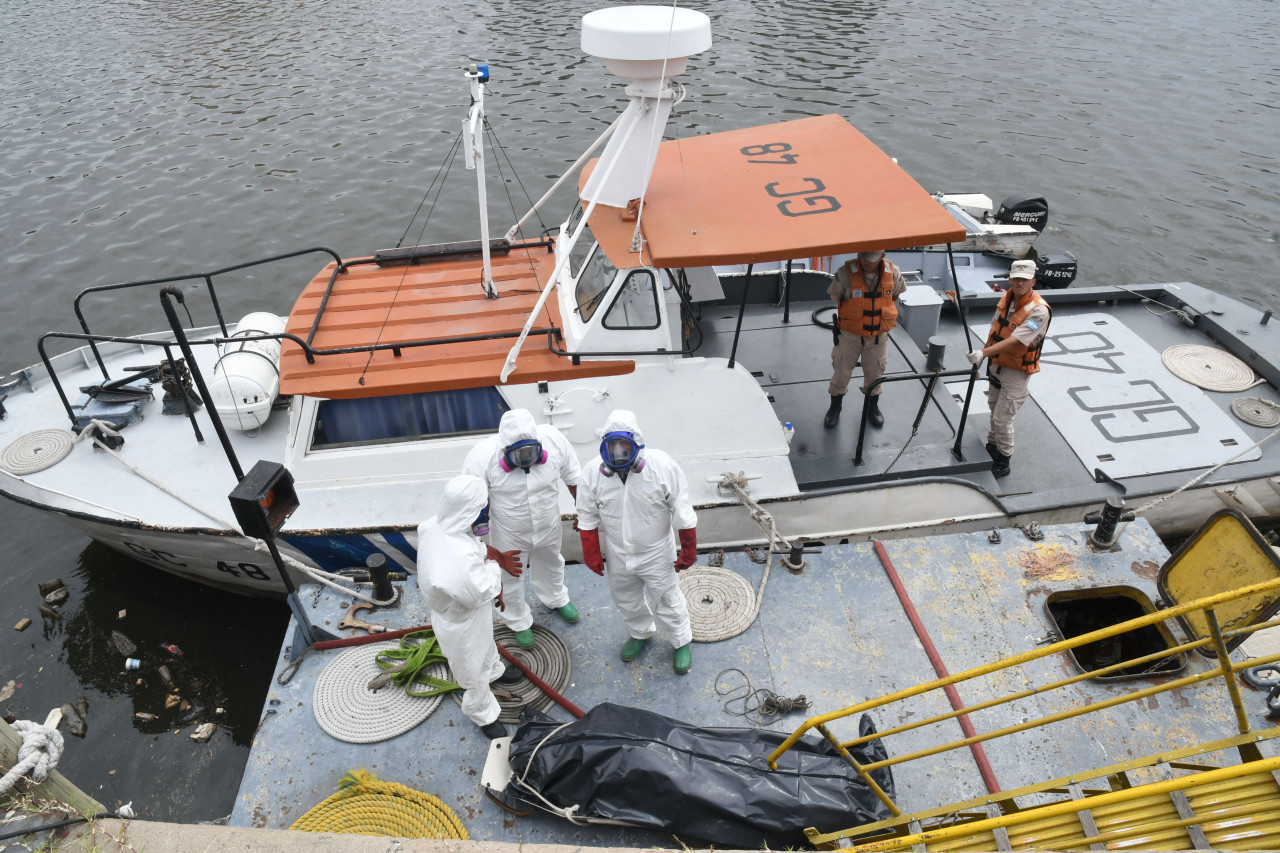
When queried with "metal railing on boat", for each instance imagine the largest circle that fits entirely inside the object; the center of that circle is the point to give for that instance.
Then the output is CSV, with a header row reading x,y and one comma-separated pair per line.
x,y
1163,807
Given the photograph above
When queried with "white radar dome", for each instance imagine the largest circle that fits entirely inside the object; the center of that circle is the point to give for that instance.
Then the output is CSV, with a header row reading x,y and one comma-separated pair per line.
x,y
635,41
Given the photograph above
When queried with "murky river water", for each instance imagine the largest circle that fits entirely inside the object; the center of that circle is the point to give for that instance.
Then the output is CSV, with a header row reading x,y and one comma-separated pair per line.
x,y
140,140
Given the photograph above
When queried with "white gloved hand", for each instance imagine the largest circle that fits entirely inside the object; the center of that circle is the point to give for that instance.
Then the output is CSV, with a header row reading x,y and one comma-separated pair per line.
x,y
974,356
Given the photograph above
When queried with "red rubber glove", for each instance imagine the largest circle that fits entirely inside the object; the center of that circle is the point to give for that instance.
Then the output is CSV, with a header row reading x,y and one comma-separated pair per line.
x,y
591,551
508,560
688,549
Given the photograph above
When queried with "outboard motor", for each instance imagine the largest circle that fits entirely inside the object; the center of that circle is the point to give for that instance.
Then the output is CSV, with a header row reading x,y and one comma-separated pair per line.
x,y
1030,210
1054,271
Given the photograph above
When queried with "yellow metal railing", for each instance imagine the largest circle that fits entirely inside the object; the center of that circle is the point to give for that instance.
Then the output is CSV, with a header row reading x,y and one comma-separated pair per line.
x,y
1217,638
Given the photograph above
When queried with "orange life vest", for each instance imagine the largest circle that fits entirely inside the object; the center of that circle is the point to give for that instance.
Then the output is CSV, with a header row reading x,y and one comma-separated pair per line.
x,y
1019,356
869,312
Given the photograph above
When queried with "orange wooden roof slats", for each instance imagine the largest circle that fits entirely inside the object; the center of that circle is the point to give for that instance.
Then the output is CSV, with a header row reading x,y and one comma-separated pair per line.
x,y
436,300
799,189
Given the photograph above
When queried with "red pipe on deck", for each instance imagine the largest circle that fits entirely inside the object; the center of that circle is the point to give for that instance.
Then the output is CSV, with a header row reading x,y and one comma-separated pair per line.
x,y
979,754
541,685
324,645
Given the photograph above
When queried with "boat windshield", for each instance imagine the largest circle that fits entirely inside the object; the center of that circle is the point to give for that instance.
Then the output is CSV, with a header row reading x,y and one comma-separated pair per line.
x,y
593,284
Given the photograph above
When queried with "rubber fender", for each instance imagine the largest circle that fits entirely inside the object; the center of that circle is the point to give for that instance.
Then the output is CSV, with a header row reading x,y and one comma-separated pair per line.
x,y
1263,677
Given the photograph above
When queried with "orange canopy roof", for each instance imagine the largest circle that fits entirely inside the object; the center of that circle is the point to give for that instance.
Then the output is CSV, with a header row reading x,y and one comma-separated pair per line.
x,y
798,189
436,300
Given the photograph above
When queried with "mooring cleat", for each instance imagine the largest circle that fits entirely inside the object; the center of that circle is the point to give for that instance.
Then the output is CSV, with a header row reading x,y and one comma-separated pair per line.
x,y
568,613
631,649
524,639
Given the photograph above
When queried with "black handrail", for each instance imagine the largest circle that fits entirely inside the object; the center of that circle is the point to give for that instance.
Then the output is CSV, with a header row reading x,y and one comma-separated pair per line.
x,y
207,277
972,373
310,352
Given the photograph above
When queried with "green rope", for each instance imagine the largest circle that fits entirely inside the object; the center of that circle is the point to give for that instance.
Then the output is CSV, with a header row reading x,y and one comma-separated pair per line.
x,y
410,660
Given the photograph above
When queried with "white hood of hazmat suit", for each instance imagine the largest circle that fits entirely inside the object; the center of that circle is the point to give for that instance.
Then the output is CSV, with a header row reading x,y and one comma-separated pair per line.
x,y
524,509
459,586
637,523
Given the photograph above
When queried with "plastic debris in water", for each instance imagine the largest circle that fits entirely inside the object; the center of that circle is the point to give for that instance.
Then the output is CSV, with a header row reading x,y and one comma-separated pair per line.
x,y
172,649
203,732
123,644
57,596
143,715
165,674
75,723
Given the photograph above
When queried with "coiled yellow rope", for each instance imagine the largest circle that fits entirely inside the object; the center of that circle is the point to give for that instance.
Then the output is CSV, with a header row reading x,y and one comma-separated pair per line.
x,y
365,805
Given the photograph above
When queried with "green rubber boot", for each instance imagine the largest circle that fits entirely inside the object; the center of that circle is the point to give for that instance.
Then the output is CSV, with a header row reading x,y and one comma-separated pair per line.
x,y
682,659
631,649
568,613
524,639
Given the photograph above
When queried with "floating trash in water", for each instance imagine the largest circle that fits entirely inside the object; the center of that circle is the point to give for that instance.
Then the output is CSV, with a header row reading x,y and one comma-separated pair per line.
x,y
75,723
6,692
23,624
132,663
203,732
123,644
51,586
165,674
120,616
57,596
172,649
143,715
49,611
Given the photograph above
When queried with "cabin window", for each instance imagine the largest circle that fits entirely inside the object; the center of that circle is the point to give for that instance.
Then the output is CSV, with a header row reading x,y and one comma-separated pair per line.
x,y
636,306
580,249
406,417
597,275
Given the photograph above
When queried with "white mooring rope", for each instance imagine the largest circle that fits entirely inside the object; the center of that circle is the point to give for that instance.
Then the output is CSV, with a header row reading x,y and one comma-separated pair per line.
x,y
39,754
1209,368
36,451
721,604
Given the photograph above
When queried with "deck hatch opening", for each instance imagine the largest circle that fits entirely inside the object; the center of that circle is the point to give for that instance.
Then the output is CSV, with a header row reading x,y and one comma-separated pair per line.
x,y
1081,611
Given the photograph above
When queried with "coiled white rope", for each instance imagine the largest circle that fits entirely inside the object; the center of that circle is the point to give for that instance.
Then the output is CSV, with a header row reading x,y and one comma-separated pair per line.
x,y
318,575
37,451
348,710
40,752
720,601
1256,411
1209,368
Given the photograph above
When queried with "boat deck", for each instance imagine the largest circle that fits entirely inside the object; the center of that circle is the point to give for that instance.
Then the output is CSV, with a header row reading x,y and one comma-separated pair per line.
x,y
1102,402
835,633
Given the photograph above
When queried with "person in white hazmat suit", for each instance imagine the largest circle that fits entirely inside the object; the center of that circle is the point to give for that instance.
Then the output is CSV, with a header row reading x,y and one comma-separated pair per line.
x,y
523,466
627,509
461,587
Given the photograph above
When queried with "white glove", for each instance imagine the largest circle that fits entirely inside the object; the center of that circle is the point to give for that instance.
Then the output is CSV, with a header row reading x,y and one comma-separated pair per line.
x,y
974,356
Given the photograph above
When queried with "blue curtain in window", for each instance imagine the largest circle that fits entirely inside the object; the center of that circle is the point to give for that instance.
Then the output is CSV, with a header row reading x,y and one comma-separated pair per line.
x,y
409,415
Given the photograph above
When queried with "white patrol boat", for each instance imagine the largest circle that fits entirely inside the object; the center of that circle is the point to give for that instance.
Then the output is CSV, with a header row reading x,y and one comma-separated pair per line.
x,y
687,284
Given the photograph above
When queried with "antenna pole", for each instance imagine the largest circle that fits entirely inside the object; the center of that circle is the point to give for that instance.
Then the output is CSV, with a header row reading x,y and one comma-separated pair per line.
x,y
473,142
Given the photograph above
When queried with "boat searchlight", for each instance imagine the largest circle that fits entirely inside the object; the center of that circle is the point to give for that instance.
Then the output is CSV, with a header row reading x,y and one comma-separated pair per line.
x,y
647,45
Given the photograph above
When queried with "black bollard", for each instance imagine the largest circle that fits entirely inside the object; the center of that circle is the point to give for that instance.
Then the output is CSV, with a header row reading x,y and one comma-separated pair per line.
x,y
382,588
1104,535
